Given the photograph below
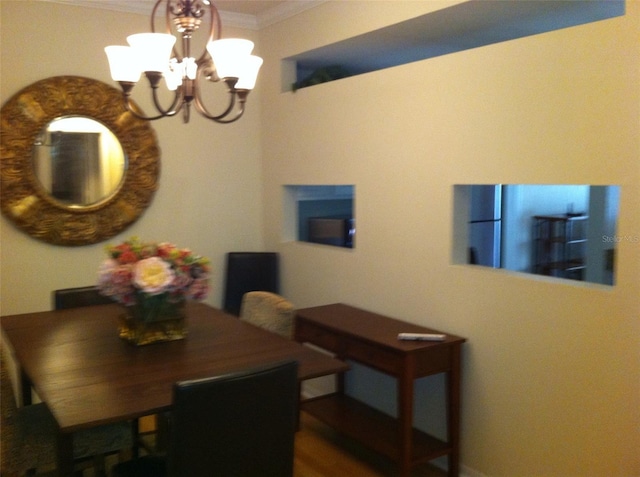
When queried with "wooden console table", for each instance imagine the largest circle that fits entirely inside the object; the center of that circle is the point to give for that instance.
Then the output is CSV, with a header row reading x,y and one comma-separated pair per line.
x,y
371,339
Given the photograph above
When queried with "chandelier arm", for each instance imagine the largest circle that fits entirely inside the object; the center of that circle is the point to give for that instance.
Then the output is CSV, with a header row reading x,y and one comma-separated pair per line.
x,y
218,33
202,109
167,16
215,30
242,96
153,15
154,78
233,119
129,107
177,104
221,118
176,53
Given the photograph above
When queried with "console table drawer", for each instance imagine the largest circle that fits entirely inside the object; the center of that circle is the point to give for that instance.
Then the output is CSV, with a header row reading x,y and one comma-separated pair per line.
x,y
318,336
373,356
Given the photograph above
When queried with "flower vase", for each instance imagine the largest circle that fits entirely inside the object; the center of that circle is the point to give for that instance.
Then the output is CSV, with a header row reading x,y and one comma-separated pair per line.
x,y
152,320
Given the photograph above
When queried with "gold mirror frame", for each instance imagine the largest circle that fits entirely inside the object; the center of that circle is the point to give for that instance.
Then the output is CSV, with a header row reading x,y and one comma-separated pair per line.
x,y
27,204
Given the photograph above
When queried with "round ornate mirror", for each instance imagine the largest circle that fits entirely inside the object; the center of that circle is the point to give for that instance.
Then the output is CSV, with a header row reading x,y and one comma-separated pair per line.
x,y
76,167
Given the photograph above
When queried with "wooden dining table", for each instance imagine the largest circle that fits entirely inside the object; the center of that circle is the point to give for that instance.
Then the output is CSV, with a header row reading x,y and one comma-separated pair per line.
x,y
76,363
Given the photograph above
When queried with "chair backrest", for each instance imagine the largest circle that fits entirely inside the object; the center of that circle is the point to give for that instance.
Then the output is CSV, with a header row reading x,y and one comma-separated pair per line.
x,y
236,425
269,311
81,296
249,271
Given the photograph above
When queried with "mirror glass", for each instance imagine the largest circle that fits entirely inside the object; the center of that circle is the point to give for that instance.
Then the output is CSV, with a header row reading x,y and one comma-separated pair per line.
x,y
562,231
78,161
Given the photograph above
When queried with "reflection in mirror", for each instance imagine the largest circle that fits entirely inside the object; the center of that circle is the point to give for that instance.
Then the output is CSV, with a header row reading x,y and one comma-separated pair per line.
x,y
564,231
78,161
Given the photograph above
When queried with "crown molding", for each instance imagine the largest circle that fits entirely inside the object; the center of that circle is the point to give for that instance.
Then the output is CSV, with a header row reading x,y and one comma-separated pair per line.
x,y
114,5
285,10
237,20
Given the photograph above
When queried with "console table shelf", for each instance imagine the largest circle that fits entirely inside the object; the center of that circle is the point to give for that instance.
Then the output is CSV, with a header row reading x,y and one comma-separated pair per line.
x,y
372,339
375,429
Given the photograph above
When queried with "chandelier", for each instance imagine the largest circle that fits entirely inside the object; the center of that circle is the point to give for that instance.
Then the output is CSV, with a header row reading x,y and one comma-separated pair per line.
x,y
227,61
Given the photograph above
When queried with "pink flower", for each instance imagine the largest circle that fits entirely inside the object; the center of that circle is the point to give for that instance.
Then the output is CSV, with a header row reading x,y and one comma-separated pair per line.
x,y
114,280
198,289
137,268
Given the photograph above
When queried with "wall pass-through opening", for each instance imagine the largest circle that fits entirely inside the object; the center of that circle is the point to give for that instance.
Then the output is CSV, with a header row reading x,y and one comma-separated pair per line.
x,y
562,231
320,214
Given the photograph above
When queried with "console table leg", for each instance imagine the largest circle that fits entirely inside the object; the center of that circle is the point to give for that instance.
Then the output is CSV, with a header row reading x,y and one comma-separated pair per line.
x,y
453,411
405,415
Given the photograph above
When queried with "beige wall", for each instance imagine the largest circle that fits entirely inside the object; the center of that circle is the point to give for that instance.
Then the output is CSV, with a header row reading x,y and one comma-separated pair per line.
x,y
552,373
210,184
552,368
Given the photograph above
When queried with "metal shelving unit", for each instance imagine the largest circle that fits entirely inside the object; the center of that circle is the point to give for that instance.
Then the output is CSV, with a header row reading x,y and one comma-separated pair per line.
x,y
560,245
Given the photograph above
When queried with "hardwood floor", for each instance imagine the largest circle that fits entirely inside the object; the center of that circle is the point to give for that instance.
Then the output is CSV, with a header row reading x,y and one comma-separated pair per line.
x,y
321,452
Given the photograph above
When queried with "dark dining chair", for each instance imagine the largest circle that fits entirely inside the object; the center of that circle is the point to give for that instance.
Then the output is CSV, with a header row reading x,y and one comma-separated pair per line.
x,y
29,433
80,296
268,311
125,433
240,424
249,271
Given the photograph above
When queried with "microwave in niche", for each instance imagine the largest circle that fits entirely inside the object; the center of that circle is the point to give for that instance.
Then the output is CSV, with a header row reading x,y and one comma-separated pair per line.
x,y
339,231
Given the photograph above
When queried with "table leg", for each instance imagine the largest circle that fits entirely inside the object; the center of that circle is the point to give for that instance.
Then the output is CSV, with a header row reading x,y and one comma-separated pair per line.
x,y
135,431
65,454
405,415
299,408
25,388
340,377
453,411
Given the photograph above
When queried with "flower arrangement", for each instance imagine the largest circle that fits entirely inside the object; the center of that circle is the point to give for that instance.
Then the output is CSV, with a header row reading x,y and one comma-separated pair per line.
x,y
152,276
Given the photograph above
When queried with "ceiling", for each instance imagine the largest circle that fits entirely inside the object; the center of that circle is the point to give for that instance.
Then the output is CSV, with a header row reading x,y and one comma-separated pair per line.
x,y
252,14
248,7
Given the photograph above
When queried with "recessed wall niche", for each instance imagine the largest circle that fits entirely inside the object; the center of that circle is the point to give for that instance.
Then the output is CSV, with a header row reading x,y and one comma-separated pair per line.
x,y
465,25
562,231
321,214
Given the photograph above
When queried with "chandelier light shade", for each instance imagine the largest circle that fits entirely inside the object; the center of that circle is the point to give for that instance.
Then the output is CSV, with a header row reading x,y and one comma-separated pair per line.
x,y
156,55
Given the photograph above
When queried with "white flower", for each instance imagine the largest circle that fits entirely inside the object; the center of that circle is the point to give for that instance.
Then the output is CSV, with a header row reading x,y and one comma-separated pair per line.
x,y
153,275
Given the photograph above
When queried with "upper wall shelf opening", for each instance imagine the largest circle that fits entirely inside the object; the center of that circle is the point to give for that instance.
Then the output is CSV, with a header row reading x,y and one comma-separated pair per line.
x,y
467,25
